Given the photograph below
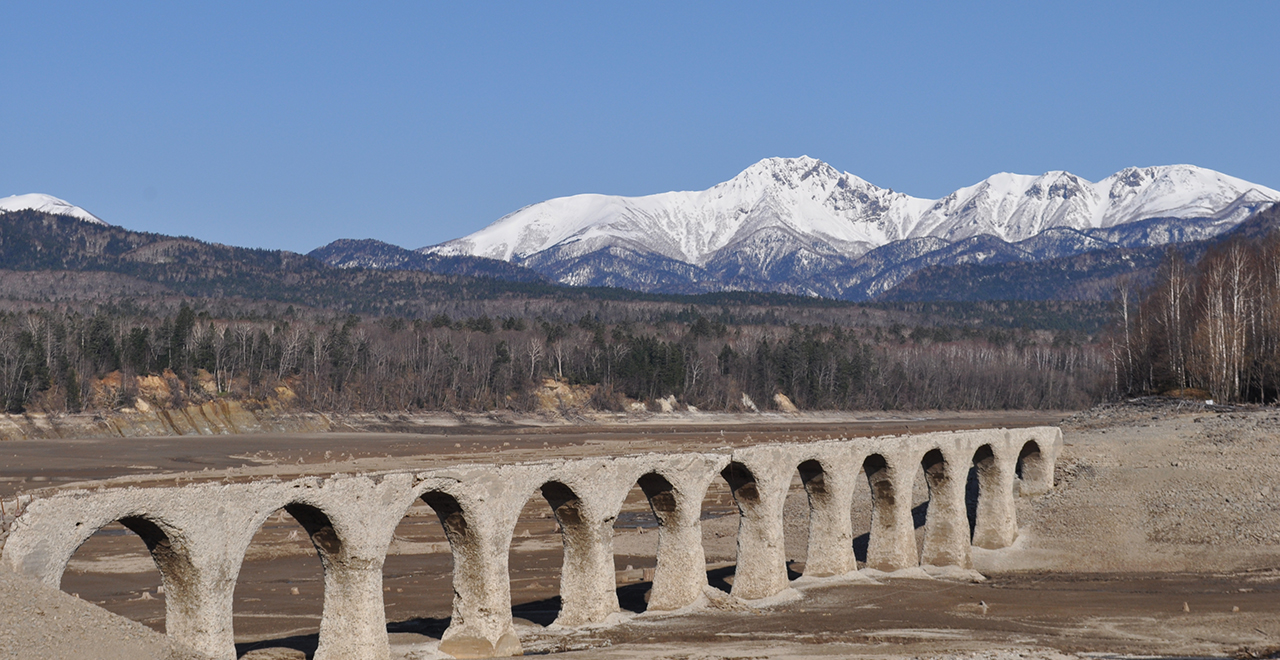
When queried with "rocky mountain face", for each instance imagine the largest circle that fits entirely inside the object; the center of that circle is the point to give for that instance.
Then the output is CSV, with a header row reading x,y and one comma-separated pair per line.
x,y
1085,275
797,225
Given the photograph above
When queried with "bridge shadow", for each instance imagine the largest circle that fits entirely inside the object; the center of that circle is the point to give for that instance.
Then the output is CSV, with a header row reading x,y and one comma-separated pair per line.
x,y
719,578
919,514
541,612
860,543
633,597
305,643
425,626
971,491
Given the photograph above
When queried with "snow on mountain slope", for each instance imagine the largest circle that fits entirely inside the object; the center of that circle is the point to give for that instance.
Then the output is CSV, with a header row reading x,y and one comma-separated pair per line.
x,y
802,195
46,204
1012,207
1175,191
807,207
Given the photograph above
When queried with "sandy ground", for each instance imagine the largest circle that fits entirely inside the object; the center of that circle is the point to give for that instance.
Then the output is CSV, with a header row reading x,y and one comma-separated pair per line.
x,y
1162,537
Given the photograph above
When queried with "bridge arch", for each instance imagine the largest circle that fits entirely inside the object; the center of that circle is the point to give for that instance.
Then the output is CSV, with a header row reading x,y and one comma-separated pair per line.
x,y
168,551
1034,470
479,623
669,575
892,541
586,574
760,568
328,542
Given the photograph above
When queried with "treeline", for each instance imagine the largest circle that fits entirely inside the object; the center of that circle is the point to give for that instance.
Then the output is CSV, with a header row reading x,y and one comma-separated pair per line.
x,y
1209,328
56,361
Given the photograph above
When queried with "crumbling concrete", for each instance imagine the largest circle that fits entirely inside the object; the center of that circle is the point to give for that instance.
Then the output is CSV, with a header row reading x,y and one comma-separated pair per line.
x,y
198,534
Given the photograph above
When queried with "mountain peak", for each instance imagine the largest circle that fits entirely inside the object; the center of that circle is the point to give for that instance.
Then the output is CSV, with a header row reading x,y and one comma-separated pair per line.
x,y
46,204
790,171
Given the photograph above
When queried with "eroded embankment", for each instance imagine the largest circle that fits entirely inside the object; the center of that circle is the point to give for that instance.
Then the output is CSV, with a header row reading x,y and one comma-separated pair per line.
x,y
217,417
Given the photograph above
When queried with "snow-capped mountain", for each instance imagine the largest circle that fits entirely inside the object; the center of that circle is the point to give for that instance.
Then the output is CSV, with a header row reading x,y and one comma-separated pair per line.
x,y
798,225
46,204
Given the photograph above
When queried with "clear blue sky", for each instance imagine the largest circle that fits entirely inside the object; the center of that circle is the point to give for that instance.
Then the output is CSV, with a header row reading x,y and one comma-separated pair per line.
x,y
288,125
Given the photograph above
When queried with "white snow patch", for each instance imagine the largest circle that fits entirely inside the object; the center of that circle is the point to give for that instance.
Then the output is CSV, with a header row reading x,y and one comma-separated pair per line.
x,y
46,204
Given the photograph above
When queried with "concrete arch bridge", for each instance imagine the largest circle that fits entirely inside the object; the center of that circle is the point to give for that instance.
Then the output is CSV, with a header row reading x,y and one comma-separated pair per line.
x,y
198,534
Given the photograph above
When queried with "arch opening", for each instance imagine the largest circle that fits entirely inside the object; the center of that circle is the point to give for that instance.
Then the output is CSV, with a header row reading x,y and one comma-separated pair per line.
x,y
807,499
742,484
539,546
418,575
661,496
934,465
982,473
649,505
719,514
1032,469
278,600
121,567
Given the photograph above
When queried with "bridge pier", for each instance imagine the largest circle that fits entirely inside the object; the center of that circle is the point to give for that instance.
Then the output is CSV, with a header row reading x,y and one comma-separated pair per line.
x,y
680,574
892,545
198,611
829,486
353,625
759,481
350,524
480,625
996,524
587,581
946,529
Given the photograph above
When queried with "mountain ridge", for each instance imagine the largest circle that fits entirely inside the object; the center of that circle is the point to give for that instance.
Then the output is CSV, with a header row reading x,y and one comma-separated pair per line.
x,y
797,225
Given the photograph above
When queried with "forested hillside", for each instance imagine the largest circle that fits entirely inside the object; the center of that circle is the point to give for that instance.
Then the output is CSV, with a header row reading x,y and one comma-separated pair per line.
x,y
55,361
35,241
